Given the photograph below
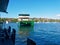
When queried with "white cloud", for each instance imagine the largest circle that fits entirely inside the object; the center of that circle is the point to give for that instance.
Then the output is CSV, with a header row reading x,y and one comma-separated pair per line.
x,y
58,15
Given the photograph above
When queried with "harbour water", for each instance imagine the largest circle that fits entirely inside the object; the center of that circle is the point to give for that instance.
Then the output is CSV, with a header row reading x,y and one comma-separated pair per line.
x,y
43,34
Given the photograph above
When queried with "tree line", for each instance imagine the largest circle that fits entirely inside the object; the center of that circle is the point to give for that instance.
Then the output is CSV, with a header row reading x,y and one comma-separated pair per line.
x,y
35,20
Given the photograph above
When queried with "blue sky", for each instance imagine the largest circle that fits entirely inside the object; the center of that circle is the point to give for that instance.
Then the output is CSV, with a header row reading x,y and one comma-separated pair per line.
x,y
36,8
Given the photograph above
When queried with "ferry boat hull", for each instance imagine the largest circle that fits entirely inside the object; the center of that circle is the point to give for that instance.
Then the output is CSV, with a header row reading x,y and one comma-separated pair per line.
x,y
27,23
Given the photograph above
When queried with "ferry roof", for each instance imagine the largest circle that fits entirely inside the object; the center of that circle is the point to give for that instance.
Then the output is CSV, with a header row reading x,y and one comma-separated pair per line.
x,y
24,15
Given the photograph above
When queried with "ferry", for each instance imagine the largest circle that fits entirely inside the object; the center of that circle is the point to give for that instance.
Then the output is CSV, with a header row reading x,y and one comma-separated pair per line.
x,y
24,20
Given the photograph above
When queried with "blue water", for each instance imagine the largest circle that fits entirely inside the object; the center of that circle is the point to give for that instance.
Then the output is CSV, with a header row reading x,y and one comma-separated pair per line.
x,y
43,34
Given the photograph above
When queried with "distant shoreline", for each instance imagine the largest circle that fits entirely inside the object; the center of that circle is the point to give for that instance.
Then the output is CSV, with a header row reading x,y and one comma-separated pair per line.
x,y
34,19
